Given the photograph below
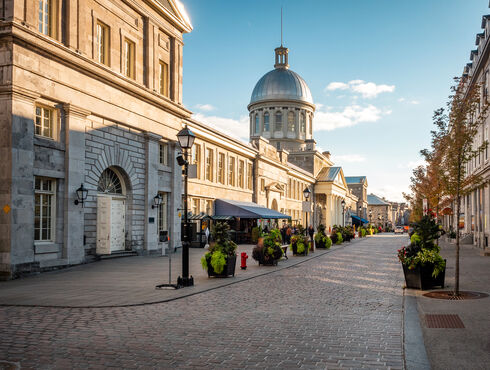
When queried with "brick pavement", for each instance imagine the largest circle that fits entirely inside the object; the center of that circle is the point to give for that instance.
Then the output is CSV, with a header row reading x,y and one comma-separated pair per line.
x,y
340,310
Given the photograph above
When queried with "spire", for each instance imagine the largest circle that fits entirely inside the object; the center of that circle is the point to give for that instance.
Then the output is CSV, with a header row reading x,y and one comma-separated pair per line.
x,y
281,53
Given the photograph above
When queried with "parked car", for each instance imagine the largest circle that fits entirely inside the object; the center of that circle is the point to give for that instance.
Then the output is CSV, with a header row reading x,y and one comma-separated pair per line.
x,y
399,230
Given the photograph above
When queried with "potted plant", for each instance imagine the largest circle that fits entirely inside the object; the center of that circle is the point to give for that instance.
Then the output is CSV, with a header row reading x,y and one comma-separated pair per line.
x,y
268,251
299,245
423,267
336,235
321,239
220,260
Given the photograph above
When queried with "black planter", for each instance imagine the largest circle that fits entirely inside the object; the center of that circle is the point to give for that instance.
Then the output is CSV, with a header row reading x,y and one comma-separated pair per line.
x,y
320,244
421,277
295,250
228,270
267,261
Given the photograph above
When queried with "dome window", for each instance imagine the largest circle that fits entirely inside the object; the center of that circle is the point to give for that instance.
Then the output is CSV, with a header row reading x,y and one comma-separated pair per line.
x,y
278,123
303,123
266,122
291,122
257,124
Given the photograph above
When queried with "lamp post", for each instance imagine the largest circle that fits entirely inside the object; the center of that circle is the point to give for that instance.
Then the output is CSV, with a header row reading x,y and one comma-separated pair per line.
x,y
306,194
343,212
370,216
186,140
360,215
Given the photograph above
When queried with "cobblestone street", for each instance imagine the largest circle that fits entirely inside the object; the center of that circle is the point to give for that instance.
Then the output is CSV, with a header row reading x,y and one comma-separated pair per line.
x,y
341,310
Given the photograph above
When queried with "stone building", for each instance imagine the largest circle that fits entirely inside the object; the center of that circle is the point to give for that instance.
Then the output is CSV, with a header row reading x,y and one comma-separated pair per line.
x,y
358,185
91,93
379,211
475,207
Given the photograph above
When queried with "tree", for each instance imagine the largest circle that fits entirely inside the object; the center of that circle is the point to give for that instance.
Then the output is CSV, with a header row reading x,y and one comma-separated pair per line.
x,y
454,146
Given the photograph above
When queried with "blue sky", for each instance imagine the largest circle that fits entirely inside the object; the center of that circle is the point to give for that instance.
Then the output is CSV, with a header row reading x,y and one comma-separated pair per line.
x,y
377,70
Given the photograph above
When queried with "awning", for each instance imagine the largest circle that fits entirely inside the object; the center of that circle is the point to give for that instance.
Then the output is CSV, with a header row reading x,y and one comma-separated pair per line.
x,y
222,218
200,216
225,207
363,220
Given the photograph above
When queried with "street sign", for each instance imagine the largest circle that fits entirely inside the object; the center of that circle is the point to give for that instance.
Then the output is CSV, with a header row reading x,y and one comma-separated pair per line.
x,y
306,206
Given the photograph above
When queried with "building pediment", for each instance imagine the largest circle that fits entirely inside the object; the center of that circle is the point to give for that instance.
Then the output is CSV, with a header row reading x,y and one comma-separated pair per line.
x,y
277,187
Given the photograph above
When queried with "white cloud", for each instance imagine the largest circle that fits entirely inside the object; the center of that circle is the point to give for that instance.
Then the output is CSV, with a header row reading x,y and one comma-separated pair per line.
x,y
368,90
238,129
205,107
350,116
390,192
412,164
337,86
415,102
348,158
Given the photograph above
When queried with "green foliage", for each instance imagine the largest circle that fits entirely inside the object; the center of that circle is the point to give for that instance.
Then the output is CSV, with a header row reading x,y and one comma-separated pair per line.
x,y
363,232
255,234
328,242
340,240
269,248
300,247
321,239
218,261
222,247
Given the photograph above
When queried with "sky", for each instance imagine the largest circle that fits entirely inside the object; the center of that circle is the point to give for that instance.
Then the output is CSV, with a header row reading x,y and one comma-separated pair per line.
x,y
377,70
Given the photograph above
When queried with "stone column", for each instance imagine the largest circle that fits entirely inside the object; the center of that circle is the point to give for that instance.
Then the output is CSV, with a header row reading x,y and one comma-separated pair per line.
x,y
73,247
151,190
18,248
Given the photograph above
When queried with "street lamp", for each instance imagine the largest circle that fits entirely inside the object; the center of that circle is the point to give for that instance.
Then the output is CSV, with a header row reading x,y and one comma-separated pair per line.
x,y
81,195
360,216
370,216
343,212
186,140
306,194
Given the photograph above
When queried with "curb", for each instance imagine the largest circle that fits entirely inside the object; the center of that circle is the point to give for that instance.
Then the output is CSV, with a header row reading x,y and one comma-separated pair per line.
x,y
414,353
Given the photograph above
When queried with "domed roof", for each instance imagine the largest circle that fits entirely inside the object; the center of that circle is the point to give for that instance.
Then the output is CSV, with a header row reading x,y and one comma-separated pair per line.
x,y
281,84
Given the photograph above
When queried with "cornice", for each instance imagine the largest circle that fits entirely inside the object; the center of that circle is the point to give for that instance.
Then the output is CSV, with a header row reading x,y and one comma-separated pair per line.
x,y
73,110
19,92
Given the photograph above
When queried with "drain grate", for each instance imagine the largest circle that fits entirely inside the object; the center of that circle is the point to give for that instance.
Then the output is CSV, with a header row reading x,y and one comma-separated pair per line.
x,y
448,294
444,322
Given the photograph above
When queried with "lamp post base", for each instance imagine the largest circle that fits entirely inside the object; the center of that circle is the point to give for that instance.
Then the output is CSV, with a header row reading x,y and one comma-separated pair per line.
x,y
185,281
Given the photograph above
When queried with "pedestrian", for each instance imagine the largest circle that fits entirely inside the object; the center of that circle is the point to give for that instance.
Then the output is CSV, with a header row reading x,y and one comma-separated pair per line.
x,y
311,231
288,234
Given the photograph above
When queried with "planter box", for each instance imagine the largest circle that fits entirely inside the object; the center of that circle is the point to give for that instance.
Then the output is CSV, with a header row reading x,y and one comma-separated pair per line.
x,y
267,262
421,277
295,250
228,270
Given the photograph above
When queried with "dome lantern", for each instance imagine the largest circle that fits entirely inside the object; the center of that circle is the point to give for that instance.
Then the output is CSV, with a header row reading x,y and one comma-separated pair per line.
x,y
281,57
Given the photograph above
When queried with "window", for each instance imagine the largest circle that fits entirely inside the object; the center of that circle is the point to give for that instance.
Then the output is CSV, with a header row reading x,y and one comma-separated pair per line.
x,y
196,206
196,158
278,122
163,213
241,174
209,207
128,58
102,46
109,183
288,189
310,128
163,78
303,123
44,124
44,209
231,172
266,122
250,176
221,168
47,17
163,154
209,164
262,184
257,124
291,122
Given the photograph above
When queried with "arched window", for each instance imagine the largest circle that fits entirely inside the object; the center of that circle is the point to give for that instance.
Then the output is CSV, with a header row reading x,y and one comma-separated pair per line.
x,y
257,124
291,122
266,121
303,123
109,183
278,123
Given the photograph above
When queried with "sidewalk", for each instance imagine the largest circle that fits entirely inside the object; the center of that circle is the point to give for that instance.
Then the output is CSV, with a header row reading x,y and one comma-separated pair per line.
x,y
130,281
467,348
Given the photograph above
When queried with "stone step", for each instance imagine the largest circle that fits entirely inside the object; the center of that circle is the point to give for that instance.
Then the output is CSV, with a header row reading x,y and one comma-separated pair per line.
x,y
117,254
53,263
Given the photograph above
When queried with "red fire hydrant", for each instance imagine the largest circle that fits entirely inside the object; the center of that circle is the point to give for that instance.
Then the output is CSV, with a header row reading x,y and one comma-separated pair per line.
x,y
243,264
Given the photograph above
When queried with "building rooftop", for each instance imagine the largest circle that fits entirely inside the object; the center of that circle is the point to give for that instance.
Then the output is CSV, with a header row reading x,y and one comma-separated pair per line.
x,y
374,200
328,174
355,179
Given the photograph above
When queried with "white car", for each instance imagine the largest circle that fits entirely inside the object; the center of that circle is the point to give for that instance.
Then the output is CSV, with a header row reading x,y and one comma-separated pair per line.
x,y
399,230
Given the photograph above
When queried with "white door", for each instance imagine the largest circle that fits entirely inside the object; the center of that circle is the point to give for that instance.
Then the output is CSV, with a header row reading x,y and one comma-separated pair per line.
x,y
103,225
118,224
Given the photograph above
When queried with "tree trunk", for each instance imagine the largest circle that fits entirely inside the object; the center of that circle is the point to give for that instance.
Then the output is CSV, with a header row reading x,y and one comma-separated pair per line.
x,y
456,273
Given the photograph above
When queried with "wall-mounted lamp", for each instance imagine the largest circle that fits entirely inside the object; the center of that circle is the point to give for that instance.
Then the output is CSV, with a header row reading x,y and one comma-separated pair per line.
x,y
81,195
157,200
180,160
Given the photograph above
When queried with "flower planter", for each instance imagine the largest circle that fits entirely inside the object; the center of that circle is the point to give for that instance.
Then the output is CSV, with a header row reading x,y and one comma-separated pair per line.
x,y
295,250
421,277
320,244
267,261
228,270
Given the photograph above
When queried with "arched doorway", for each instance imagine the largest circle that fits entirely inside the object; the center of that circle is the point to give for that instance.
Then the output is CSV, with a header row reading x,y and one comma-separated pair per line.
x,y
274,205
111,212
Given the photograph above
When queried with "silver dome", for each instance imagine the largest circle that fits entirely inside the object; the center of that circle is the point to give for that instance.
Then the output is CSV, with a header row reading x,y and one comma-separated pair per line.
x,y
281,84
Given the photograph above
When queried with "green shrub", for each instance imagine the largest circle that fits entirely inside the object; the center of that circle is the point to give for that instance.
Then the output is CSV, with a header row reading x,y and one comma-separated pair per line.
x,y
328,242
339,238
218,261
